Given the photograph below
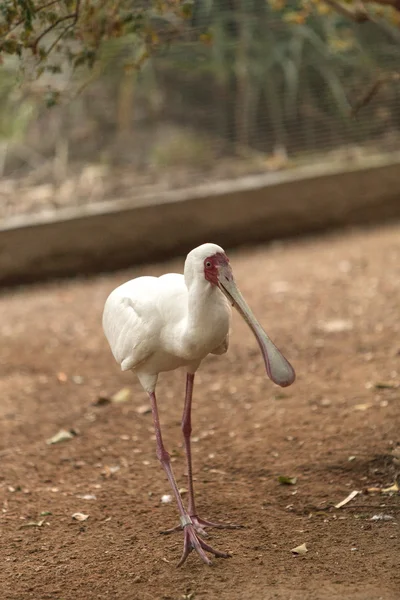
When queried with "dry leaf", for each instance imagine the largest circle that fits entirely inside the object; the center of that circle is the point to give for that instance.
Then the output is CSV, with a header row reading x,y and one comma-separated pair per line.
x,y
347,499
144,409
336,325
80,516
278,287
300,550
32,524
109,471
121,396
362,406
390,385
392,488
62,436
283,480
278,160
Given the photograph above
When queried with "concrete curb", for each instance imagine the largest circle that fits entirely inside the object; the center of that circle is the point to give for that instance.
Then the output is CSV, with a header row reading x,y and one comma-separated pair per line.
x,y
120,233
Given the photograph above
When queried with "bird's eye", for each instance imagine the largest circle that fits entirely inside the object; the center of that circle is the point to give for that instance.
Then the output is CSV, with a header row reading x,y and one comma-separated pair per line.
x,y
208,264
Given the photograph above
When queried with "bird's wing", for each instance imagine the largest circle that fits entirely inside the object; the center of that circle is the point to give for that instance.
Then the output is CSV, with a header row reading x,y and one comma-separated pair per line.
x,y
131,321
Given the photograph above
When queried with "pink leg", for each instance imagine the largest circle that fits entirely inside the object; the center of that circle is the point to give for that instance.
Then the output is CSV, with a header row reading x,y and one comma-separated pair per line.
x,y
197,521
191,539
187,432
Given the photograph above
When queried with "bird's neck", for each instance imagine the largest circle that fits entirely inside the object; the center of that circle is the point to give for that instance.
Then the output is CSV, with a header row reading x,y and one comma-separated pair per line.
x,y
207,320
202,299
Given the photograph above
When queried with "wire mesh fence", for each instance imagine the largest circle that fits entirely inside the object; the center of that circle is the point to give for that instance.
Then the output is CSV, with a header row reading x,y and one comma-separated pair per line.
x,y
250,90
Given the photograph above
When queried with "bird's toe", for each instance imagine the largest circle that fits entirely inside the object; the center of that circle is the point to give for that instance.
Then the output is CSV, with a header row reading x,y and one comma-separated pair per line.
x,y
192,541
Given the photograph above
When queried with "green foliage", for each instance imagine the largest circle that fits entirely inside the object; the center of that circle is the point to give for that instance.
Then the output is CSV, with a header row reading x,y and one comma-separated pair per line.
x,y
74,30
16,108
256,73
276,66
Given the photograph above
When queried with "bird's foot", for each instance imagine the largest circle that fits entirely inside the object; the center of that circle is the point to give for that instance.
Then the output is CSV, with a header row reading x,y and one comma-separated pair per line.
x,y
193,542
200,524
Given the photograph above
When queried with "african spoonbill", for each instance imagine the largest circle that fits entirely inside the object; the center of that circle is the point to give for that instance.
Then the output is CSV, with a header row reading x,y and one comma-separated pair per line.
x,y
156,324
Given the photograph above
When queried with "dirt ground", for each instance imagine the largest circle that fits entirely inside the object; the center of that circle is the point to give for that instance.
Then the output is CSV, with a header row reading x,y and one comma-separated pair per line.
x,y
332,305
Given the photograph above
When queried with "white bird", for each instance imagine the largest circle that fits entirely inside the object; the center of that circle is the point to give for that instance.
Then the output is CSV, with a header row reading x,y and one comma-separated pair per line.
x,y
156,324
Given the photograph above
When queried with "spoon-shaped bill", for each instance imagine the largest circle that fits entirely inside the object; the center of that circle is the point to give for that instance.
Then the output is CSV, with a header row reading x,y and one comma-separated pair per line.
x,y
279,370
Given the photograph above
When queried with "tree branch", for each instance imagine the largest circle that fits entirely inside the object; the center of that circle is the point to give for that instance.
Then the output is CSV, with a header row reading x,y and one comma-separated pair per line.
x,y
393,3
74,16
372,91
359,15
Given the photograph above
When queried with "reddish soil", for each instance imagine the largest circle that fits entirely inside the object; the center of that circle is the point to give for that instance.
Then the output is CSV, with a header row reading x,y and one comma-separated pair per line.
x,y
336,429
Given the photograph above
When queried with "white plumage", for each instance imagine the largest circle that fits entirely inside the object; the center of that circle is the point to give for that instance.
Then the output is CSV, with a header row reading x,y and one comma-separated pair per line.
x,y
156,324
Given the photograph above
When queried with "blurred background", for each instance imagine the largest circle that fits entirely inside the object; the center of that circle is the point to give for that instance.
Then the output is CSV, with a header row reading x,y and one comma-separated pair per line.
x,y
251,90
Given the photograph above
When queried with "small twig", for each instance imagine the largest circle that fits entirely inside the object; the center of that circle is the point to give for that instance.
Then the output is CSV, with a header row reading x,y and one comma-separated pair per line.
x,y
359,15
348,499
50,28
74,16
58,38
43,6
393,3
372,91
370,506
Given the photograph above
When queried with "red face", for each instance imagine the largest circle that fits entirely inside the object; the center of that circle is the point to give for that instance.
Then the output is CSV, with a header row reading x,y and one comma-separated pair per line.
x,y
212,265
